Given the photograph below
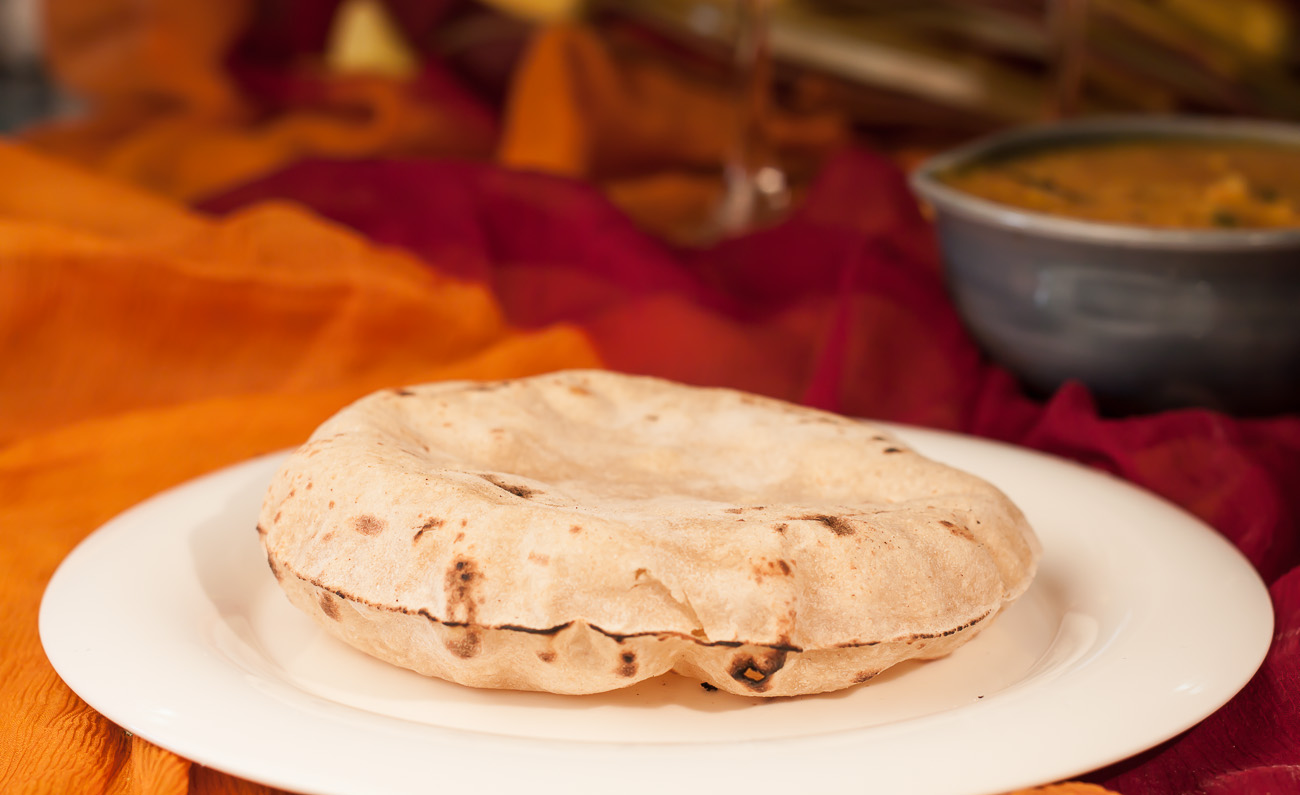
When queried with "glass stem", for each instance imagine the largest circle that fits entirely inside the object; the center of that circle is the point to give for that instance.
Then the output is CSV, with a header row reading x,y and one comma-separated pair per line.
x,y
1068,30
755,187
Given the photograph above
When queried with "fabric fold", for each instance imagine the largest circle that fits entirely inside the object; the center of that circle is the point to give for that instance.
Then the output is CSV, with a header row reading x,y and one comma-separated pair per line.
x,y
357,232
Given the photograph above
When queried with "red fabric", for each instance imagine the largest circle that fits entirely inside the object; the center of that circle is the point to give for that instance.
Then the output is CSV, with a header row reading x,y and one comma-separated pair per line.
x,y
843,306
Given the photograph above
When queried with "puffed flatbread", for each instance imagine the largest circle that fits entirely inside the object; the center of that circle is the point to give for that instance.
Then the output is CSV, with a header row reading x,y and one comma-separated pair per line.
x,y
581,531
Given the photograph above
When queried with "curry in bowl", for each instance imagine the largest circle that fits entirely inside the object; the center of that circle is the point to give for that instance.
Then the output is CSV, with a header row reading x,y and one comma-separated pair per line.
x,y
1175,183
1152,258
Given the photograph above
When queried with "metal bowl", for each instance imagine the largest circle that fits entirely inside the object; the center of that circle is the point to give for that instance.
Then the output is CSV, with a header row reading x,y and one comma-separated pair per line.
x,y
1147,318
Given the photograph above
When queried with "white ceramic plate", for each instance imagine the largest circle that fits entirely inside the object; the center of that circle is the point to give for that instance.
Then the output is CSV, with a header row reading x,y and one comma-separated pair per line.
x,y
168,621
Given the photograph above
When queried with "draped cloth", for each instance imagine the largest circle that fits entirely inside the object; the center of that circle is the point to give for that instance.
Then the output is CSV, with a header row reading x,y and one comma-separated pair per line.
x,y
232,242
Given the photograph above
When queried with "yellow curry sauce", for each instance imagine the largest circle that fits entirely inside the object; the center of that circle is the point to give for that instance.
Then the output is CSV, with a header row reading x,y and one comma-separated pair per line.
x,y
1170,183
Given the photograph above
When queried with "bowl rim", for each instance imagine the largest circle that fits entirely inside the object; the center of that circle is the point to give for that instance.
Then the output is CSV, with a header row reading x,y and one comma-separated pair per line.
x,y
926,183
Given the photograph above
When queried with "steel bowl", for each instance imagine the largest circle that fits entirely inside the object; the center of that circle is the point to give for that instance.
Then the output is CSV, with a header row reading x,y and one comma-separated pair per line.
x,y
1147,318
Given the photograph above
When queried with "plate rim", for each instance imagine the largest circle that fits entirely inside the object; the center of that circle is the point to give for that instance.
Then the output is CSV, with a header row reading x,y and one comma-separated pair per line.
x,y
288,779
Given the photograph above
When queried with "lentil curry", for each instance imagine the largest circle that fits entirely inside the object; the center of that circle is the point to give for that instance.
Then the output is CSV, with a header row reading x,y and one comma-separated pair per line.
x,y
1158,182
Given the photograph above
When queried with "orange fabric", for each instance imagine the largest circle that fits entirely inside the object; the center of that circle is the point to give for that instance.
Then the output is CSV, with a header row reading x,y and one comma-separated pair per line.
x,y
135,53
190,156
587,107
148,345
654,137
579,106
142,344
166,115
273,281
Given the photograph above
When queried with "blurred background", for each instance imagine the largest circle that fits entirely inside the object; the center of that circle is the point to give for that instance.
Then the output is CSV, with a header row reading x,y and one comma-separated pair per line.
x,y
907,71
26,92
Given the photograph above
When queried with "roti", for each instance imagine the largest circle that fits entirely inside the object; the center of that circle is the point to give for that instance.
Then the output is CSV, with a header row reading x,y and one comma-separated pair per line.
x,y
581,531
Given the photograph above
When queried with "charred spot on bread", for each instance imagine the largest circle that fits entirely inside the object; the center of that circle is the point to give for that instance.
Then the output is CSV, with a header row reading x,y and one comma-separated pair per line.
x,y
958,530
464,642
368,524
521,491
755,671
431,524
837,524
328,606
